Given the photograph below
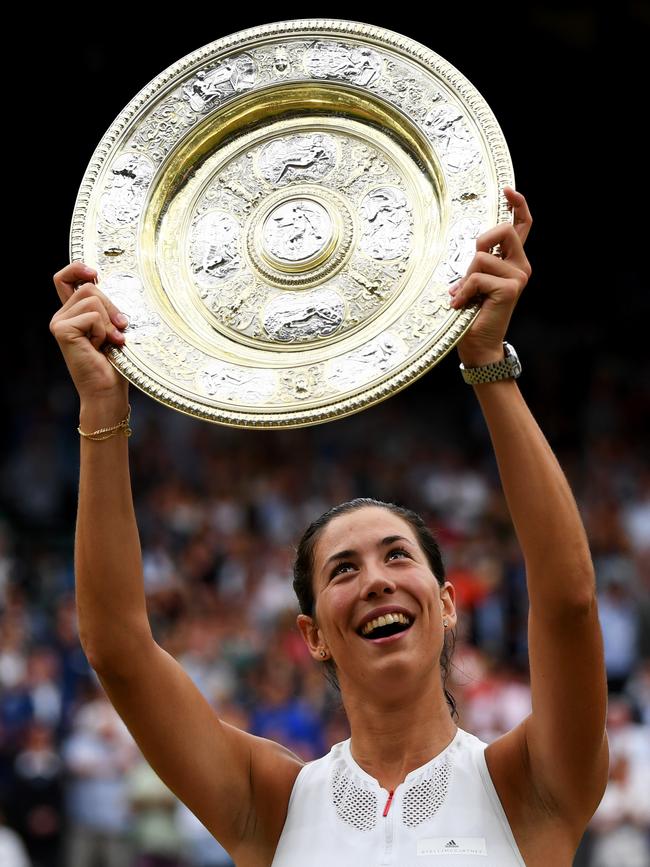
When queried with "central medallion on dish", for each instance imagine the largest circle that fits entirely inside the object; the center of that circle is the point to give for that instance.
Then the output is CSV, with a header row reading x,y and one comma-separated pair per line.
x,y
298,234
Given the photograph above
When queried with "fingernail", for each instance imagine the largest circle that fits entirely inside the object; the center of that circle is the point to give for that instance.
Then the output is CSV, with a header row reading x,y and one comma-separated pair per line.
x,y
122,320
118,335
88,270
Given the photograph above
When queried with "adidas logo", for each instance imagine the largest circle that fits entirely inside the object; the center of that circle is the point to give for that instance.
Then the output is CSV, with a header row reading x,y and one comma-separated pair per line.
x,y
452,844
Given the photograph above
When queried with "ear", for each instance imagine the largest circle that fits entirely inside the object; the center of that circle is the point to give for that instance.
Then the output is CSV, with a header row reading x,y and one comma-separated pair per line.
x,y
448,604
313,637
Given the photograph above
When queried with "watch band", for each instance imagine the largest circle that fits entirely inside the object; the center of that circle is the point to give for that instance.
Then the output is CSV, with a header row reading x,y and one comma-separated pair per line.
x,y
508,368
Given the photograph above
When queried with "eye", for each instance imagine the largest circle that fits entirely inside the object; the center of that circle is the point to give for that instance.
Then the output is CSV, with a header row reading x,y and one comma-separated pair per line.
x,y
341,568
400,552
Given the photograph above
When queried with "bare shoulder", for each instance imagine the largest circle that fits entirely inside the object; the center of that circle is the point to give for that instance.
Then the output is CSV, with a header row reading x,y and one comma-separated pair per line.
x,y
545,825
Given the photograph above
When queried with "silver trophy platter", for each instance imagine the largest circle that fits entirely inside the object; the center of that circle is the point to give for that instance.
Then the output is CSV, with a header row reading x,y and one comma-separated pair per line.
x,y
280,215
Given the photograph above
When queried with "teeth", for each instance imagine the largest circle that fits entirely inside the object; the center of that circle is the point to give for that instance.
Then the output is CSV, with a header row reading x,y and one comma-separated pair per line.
x,y
385,620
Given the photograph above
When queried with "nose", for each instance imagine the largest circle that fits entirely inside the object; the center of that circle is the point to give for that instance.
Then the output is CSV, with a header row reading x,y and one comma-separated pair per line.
x,y
375,582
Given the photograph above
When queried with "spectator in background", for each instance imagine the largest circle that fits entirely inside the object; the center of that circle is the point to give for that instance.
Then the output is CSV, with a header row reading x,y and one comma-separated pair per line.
x,y
12,848
154,831
278,714
97,755
44,685
37,804
620,825
75,675
619,620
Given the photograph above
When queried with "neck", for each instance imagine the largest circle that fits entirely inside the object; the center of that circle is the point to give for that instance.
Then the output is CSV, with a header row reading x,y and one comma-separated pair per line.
x,y
391,738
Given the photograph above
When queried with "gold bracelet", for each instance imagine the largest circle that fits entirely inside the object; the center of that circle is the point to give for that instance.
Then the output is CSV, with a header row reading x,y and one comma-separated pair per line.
x,y
104,433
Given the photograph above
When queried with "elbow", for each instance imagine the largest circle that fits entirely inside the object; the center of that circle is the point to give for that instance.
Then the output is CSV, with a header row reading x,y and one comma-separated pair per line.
x,y
571,596
580,593
118,661
582,601
96,661
584,605
582,597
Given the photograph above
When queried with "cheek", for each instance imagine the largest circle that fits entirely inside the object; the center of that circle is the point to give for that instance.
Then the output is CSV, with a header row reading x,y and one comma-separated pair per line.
x,y
333,607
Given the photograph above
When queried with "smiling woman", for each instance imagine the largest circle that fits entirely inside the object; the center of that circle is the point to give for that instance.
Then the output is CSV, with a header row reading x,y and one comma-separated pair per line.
x,y
409,787
422,541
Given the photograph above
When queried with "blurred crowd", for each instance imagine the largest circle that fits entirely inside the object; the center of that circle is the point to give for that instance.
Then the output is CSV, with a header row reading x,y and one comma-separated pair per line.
x,y
219,512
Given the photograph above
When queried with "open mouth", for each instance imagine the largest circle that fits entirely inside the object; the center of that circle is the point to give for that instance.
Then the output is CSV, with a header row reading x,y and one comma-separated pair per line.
x,y
385,626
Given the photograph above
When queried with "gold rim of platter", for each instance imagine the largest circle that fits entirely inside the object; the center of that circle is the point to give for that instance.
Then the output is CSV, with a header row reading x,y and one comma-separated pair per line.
x,y
280,215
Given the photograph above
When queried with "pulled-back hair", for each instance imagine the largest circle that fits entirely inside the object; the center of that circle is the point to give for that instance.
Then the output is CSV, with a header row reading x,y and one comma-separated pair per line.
x,y
303,569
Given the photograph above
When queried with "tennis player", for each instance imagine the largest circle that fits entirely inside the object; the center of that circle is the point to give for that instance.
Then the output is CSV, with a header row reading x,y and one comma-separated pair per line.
x,y
409,787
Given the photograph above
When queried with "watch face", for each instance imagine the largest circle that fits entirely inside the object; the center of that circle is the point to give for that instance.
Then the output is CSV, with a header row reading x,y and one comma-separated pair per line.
x,y
512,360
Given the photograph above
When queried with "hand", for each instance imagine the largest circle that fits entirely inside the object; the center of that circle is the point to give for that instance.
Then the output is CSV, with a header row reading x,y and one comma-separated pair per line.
x,y
499,279
86,323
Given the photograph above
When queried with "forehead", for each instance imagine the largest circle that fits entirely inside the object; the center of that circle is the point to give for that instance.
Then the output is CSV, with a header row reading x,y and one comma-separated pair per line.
x,y
361,527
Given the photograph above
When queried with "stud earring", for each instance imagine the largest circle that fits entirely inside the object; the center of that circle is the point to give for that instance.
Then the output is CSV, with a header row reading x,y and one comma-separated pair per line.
x,y
445,623
323,654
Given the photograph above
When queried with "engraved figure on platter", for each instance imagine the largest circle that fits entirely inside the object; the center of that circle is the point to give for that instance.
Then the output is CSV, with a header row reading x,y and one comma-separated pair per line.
x,y
214,250
236,383
297,230
354,63
292,317
454,143
281,61
387,223
130,176
234,75
297,158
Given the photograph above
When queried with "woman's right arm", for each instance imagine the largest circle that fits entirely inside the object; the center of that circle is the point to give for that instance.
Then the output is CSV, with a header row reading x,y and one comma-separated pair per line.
x,y
237,785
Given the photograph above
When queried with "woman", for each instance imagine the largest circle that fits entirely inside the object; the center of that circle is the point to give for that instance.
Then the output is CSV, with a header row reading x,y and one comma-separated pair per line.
x,y
409,787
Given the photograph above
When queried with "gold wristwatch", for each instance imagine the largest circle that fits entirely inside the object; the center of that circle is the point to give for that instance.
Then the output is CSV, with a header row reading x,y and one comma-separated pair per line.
x,y
508,368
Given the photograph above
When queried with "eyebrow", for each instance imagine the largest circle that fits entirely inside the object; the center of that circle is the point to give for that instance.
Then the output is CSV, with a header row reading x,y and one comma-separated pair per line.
x,y
351,552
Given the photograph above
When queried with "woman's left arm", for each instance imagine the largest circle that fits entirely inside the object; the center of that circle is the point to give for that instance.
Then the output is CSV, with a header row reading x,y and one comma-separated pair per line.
x,y
563,741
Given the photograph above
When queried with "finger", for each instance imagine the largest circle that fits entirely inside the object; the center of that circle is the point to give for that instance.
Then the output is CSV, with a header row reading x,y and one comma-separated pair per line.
x,y
89,304
67,279
94,303
522,217
505,289
510,245
87,290
88,325
489,263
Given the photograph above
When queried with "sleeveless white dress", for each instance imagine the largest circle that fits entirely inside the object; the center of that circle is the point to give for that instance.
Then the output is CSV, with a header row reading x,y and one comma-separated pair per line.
x,y
445,813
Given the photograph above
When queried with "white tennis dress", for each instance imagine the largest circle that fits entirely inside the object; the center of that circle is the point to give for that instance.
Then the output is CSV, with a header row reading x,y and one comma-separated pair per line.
x,y
445,813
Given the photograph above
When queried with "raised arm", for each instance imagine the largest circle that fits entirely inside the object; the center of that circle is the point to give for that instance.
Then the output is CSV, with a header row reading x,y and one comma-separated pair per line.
x,y
560,751
237,785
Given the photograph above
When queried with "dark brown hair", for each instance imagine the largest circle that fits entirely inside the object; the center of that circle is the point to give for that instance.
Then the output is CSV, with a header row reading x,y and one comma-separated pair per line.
x,y
303,568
